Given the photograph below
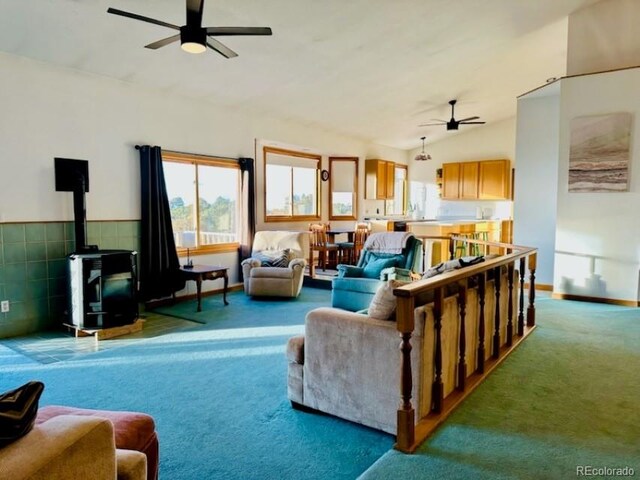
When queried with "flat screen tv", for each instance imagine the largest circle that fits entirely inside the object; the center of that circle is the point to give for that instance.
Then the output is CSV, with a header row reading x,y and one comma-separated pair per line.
x,y
70,173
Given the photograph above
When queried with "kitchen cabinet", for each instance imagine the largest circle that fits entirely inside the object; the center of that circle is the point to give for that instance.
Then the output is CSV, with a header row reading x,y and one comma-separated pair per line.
x,y
450,180
484,180
379,179
494,180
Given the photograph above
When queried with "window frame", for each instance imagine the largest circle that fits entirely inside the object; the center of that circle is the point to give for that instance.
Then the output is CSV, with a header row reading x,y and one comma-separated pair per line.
x,y
210,161
354,191
292,153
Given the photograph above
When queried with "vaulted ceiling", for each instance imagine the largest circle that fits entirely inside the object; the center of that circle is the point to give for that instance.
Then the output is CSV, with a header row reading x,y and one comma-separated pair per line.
x,y
372,69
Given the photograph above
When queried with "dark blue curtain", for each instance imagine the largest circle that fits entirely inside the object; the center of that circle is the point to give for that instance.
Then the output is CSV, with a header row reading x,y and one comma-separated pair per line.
x,y
248,199
159,264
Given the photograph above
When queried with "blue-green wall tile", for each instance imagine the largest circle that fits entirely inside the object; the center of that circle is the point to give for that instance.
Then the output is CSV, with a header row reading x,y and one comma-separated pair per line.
x,y
69,247
37,289
57,286
55,250
13,233
57,268
16,292
127,229
16,311
55,232
127,243
14,253
17,272
109,243
35,232
69,230
93,229
57,307
36,252
1,274
38,309
108,229
36,270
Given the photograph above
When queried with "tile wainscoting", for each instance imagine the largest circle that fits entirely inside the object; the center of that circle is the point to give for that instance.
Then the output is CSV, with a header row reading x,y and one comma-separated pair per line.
x,y
33,268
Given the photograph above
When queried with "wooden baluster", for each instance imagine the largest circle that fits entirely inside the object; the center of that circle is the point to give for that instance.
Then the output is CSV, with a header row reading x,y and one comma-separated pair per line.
x,y
496,329
437,393
510,269
462,365
452,248
531,310
406,414
521,309
482,279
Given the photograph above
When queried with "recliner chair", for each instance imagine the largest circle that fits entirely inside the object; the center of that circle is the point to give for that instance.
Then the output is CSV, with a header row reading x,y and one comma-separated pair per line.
x,y
355,287
285,281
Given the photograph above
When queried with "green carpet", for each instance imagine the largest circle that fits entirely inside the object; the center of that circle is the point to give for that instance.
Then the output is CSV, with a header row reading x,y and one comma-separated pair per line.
x,y
568,396
218,395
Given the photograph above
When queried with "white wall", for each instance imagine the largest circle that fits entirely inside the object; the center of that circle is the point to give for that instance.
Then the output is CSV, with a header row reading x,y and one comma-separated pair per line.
x,y
598,234
536,177
49,111
604,36
492,141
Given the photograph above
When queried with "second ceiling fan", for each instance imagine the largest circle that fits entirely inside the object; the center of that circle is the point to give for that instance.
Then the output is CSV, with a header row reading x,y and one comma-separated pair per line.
x,y
194,38
453,124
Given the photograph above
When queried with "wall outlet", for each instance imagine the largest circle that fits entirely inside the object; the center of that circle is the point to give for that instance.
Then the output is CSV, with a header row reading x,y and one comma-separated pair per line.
x,y
4,306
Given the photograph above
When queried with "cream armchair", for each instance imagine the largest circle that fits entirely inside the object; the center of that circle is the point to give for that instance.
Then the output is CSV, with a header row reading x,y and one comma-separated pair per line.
x,y
276,281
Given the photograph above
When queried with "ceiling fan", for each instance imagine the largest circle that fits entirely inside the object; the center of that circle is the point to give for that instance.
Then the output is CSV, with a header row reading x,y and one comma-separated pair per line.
x,y
194,38
453,124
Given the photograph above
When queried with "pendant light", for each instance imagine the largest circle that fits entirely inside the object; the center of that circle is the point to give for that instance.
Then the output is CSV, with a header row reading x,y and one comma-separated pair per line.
x,y
421,157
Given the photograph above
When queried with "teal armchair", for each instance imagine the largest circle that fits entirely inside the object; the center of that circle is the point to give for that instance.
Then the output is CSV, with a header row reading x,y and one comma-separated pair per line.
x,y
355,286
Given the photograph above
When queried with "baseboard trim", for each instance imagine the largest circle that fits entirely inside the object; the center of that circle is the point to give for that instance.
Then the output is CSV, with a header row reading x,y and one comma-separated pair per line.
x,y
582,298
191,296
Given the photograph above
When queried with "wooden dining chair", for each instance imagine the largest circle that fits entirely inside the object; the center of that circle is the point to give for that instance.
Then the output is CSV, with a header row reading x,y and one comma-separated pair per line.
x,y
359,237
318,243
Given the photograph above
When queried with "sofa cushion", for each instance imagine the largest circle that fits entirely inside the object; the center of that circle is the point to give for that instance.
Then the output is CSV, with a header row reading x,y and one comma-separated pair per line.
x,y
375,267
272,272
383,304
273,258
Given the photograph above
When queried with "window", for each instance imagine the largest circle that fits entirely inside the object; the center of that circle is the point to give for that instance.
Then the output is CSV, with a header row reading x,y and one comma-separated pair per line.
x,y
209,224
291,185
343,178
398,206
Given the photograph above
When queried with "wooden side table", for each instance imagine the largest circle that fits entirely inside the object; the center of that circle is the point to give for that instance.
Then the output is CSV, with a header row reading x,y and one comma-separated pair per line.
x,y
199,273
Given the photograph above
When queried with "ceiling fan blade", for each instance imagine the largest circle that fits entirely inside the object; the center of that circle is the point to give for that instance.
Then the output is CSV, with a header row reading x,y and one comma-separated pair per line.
x,y
163,42
472,123
467,119
221,49
432,124
194,12
135,16
225,31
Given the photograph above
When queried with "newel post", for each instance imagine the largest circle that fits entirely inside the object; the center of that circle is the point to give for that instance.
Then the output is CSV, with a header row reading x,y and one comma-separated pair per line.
x,y
406,412
531,309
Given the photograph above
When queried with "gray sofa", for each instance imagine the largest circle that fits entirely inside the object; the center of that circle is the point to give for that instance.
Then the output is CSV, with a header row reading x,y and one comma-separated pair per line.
x,y
347,364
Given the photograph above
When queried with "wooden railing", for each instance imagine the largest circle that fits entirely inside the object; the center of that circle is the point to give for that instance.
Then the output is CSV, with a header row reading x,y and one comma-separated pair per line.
x,y
409,432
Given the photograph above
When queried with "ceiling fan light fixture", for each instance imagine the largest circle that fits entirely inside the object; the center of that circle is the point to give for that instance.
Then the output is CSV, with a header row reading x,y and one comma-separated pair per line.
x,y
421,157
193,40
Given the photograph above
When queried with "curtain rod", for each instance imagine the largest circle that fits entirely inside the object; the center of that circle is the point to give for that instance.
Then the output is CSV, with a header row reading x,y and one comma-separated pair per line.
x,y
138,147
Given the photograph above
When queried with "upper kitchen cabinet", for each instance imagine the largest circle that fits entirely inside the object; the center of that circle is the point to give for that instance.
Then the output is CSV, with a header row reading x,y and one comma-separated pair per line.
x,y
495,178
450,180
379,179
484,180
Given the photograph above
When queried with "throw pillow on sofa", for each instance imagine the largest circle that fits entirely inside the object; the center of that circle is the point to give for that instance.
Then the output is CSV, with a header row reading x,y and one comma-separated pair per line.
x,y
374,268
383,304
273,258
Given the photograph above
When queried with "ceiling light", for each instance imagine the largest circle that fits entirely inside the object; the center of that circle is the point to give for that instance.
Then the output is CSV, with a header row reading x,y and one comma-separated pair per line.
x,y
421,157
193,40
